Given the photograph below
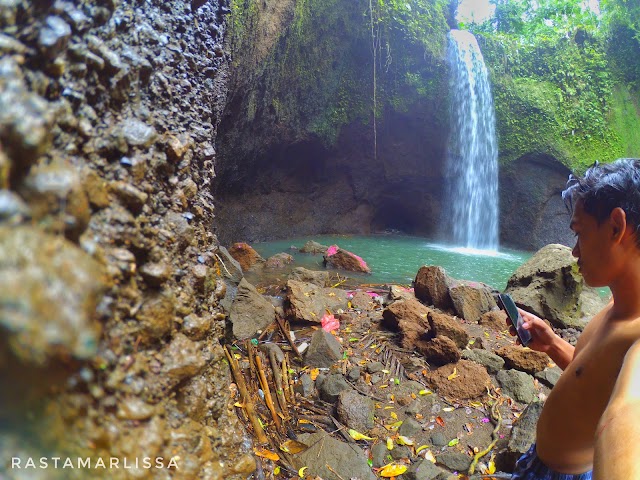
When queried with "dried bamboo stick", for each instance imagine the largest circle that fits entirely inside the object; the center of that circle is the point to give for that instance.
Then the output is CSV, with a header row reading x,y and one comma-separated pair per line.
x,y
285,368
287,335
245,398
285,380
277,378
267,391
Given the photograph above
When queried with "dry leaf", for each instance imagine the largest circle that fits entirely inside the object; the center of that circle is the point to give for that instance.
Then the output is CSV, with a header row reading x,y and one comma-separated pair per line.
x,y
402,440
293,446
357,435
301,472
392,470
314,373
263,452
454,374
440,421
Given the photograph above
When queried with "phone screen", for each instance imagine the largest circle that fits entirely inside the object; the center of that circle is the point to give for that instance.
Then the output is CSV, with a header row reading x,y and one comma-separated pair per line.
x,y
516,319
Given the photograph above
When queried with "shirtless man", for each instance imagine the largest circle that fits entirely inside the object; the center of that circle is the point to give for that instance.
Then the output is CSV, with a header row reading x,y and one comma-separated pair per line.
x,y
606,217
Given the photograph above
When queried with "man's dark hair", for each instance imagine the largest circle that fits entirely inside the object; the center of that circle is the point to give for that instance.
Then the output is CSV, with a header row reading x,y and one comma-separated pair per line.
x,y
605,187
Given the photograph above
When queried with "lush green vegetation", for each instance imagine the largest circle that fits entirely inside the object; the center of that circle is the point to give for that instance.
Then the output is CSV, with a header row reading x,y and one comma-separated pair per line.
x,y
565,80
319,75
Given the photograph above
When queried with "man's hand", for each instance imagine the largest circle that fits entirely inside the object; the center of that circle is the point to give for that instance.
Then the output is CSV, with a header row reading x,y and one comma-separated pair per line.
x,y
544,339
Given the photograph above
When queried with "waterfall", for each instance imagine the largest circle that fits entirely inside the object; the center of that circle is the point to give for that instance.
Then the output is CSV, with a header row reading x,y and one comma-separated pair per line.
x,y
472,154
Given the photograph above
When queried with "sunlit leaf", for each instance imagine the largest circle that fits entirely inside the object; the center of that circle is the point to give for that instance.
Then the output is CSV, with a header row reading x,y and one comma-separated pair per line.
x,y
421,448
263,452
238,404
453,442
389,443
276,471
492,466
314,373
425,392
357,435
454,374
394,415
428,455
440,421
392,470
301,472
402,440
448,409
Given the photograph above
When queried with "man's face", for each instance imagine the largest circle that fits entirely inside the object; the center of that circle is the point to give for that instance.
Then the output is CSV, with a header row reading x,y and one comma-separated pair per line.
x,y
592,247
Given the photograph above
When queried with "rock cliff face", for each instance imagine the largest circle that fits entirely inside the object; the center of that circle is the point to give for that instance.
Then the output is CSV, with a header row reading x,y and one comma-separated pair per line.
x,y
109,313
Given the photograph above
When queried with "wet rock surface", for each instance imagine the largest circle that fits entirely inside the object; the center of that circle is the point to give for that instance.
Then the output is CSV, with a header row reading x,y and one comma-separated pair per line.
x,y
110,279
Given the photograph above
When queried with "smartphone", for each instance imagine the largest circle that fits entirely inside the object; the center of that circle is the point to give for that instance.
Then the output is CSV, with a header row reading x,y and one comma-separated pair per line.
x,y
506,303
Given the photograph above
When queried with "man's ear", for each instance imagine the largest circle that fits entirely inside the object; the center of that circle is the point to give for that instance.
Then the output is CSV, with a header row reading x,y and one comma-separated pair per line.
x,y
618,218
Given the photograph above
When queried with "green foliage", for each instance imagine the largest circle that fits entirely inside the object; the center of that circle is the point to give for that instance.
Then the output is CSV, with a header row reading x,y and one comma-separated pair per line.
x,y
319,74
553,82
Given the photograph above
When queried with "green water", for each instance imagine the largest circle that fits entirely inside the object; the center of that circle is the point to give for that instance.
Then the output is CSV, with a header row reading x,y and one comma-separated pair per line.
x,y
396,259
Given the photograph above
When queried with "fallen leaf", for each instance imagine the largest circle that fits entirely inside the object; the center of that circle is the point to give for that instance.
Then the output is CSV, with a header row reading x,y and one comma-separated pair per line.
x,y
428,455
314,373
238,404
357,435
263,452
276,471
394,415
453,442
425,392
402,440
420,448
301,472
454,374
448,409
392,470
293,446
440,421
389,443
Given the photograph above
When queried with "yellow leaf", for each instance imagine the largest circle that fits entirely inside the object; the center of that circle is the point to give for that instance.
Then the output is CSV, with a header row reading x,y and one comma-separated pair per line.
x,y
420,448
357,435
263,452
302,420
276,471
448,409
314,373
402,440
238,404
476,404
454,374
425,392
492,466
349,304
237,356
389,443
429,456
383,386
293,446
301,472
392,470
453,442
393,426
394,415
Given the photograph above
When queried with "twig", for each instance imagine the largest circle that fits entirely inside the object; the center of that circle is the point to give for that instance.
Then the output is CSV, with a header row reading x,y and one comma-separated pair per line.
x,y
333,471
223,265
495,413
341,428
288,393
247,403
287,335
266,391
277,378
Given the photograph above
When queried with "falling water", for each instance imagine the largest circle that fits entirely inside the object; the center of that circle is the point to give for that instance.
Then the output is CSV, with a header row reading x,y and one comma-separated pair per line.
x,y
472,156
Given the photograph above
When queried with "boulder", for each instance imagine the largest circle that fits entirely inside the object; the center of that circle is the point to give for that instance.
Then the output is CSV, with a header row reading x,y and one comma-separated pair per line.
x,y
495,320
278,261
356,411
462,380
308,302
344,260
443,325
523,434
319,278
410,318
518,385
439,351
314,248
432,286
492,362
523,359
245,255
471,300
229,266
323,351
250,311
550,285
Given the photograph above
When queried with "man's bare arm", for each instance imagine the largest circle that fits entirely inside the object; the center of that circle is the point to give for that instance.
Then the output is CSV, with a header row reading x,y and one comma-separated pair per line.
x,y
545,340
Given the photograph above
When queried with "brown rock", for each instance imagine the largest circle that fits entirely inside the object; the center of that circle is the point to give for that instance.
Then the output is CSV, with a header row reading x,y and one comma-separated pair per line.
x,y
361,300
470,381
471,300
432,286
155,317
279,260
131,197
177,146
308,302
245,255
182,359
410,317
440,351
345,260
155,274
443,325
97,190
494,320
523,359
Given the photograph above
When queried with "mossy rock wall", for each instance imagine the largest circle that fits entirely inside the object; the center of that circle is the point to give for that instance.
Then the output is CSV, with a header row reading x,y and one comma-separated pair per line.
x,y
299,120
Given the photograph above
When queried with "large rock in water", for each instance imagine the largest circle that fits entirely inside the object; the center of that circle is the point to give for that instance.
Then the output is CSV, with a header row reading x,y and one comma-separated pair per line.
x,y
345,260
245,255
49,290
550,286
